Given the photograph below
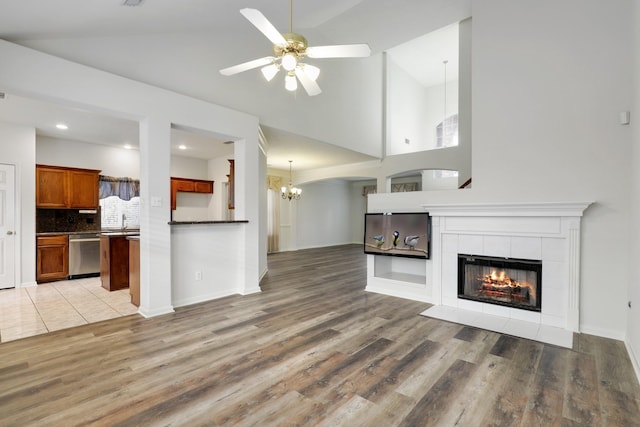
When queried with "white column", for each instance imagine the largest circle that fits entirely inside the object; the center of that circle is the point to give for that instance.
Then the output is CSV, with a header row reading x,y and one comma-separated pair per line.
x,y
436,261
155,214
573,248
249,182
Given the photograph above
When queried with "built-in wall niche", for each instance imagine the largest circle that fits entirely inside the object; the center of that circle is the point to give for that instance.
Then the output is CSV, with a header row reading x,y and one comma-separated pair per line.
x,y
397,276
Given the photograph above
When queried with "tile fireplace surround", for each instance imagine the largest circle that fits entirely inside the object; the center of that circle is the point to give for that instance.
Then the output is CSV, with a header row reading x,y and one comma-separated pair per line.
x,y
549,232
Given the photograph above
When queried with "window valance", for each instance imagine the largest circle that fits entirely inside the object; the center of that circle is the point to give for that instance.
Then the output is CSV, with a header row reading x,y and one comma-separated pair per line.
x,y
124,188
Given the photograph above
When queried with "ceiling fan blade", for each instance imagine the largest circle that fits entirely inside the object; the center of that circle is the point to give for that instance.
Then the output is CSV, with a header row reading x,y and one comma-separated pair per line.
x,y
309,84
247,66
262,23
339,51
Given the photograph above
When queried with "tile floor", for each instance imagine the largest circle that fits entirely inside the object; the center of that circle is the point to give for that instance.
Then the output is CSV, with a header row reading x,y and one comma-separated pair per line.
x,y
59,305
504,325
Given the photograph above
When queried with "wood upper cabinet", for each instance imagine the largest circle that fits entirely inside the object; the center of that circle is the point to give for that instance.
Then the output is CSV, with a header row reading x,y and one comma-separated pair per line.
x,y
188,185
61,187
52,258
52,187
83,189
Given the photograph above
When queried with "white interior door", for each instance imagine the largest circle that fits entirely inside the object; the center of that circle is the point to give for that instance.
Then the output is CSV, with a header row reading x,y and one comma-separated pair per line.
x,y
7,226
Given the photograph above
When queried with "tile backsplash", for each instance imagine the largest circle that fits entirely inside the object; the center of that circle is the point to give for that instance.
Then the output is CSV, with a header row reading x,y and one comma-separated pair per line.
x,y
66,220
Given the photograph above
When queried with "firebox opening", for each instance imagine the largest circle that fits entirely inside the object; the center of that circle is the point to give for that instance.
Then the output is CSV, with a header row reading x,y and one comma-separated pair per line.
x,y
504,281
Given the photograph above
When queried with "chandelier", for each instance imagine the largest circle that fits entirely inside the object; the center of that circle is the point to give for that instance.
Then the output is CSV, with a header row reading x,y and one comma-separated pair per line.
x,y
290,192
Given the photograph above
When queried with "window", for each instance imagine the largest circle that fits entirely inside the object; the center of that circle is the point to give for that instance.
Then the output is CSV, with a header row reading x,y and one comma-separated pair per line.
x,y
118,213
450,136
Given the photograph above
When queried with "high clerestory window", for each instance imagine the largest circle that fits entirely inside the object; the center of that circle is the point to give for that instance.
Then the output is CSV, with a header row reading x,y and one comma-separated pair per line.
x,y
447,136
447,132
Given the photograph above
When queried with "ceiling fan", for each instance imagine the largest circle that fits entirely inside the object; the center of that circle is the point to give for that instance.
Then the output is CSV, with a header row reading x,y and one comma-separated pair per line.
x,y
290,49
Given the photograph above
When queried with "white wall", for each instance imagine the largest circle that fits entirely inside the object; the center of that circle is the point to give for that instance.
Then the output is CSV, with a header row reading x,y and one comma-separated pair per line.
x,y
189,167
322,214
328,213
633,318
548,118
414,111
550,113
18,147
112,161
407,102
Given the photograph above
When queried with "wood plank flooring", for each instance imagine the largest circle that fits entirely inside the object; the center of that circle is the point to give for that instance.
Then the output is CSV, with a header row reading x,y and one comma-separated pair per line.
x,y
312,349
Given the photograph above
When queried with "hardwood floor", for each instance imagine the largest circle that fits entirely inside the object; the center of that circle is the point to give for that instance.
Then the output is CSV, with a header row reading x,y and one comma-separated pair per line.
x,y
312,349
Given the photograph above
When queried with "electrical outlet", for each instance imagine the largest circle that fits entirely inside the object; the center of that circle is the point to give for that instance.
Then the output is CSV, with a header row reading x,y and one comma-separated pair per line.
x,y
198,275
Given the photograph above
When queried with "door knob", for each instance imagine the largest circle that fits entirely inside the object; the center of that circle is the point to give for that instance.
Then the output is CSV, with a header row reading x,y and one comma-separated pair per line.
x,y
9,233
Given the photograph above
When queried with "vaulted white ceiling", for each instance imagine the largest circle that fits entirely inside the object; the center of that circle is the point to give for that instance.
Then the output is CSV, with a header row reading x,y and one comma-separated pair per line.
x,y
181,45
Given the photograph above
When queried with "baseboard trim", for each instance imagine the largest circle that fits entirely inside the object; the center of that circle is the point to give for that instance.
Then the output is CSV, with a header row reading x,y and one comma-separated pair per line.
x,y
157,312
604,333
202,298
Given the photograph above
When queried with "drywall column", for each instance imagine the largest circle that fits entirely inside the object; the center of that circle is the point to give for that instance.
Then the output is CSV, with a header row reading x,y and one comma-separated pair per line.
x,y
155,214
248,183
464,101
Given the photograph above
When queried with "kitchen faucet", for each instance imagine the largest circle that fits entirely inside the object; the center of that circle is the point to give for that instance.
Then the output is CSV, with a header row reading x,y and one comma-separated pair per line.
x,y
124,218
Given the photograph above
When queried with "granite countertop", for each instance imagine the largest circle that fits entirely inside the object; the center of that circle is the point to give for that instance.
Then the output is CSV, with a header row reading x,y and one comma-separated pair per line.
x,y
126,232
242,221
69,233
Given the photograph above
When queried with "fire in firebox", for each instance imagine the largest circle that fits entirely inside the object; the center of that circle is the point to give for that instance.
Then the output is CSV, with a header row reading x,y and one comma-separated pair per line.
x,y
503,281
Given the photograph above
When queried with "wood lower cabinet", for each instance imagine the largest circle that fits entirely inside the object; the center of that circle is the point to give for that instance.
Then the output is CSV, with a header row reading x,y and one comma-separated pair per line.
x,y
134,270
114,262
62,187
52,258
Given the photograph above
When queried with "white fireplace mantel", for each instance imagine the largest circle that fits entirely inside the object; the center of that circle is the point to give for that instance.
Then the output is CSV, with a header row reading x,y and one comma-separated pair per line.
x,y
548,209
548,231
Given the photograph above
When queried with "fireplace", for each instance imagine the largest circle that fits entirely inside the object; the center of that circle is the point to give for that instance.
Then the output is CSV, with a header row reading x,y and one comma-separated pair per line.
x,y
503,281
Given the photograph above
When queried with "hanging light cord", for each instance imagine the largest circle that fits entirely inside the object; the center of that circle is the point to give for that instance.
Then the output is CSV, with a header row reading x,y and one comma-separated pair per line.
x,y
444,120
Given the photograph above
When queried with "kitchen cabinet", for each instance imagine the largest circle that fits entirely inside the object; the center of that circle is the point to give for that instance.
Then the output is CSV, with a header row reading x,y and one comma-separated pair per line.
x,y
62,187
231,189
134,270
114,262
52,258
189,186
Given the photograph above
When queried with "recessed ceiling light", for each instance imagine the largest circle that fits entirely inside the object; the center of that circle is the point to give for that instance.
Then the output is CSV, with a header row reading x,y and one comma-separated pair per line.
x,y
62,126
182,147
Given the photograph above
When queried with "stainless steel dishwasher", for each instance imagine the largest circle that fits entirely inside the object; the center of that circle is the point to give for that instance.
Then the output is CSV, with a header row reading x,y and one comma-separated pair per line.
x,y
84,255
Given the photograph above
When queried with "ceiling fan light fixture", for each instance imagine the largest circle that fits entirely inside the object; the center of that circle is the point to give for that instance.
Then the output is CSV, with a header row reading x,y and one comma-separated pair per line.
x,y
289,61
311,71
288,50
290,82
270,71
